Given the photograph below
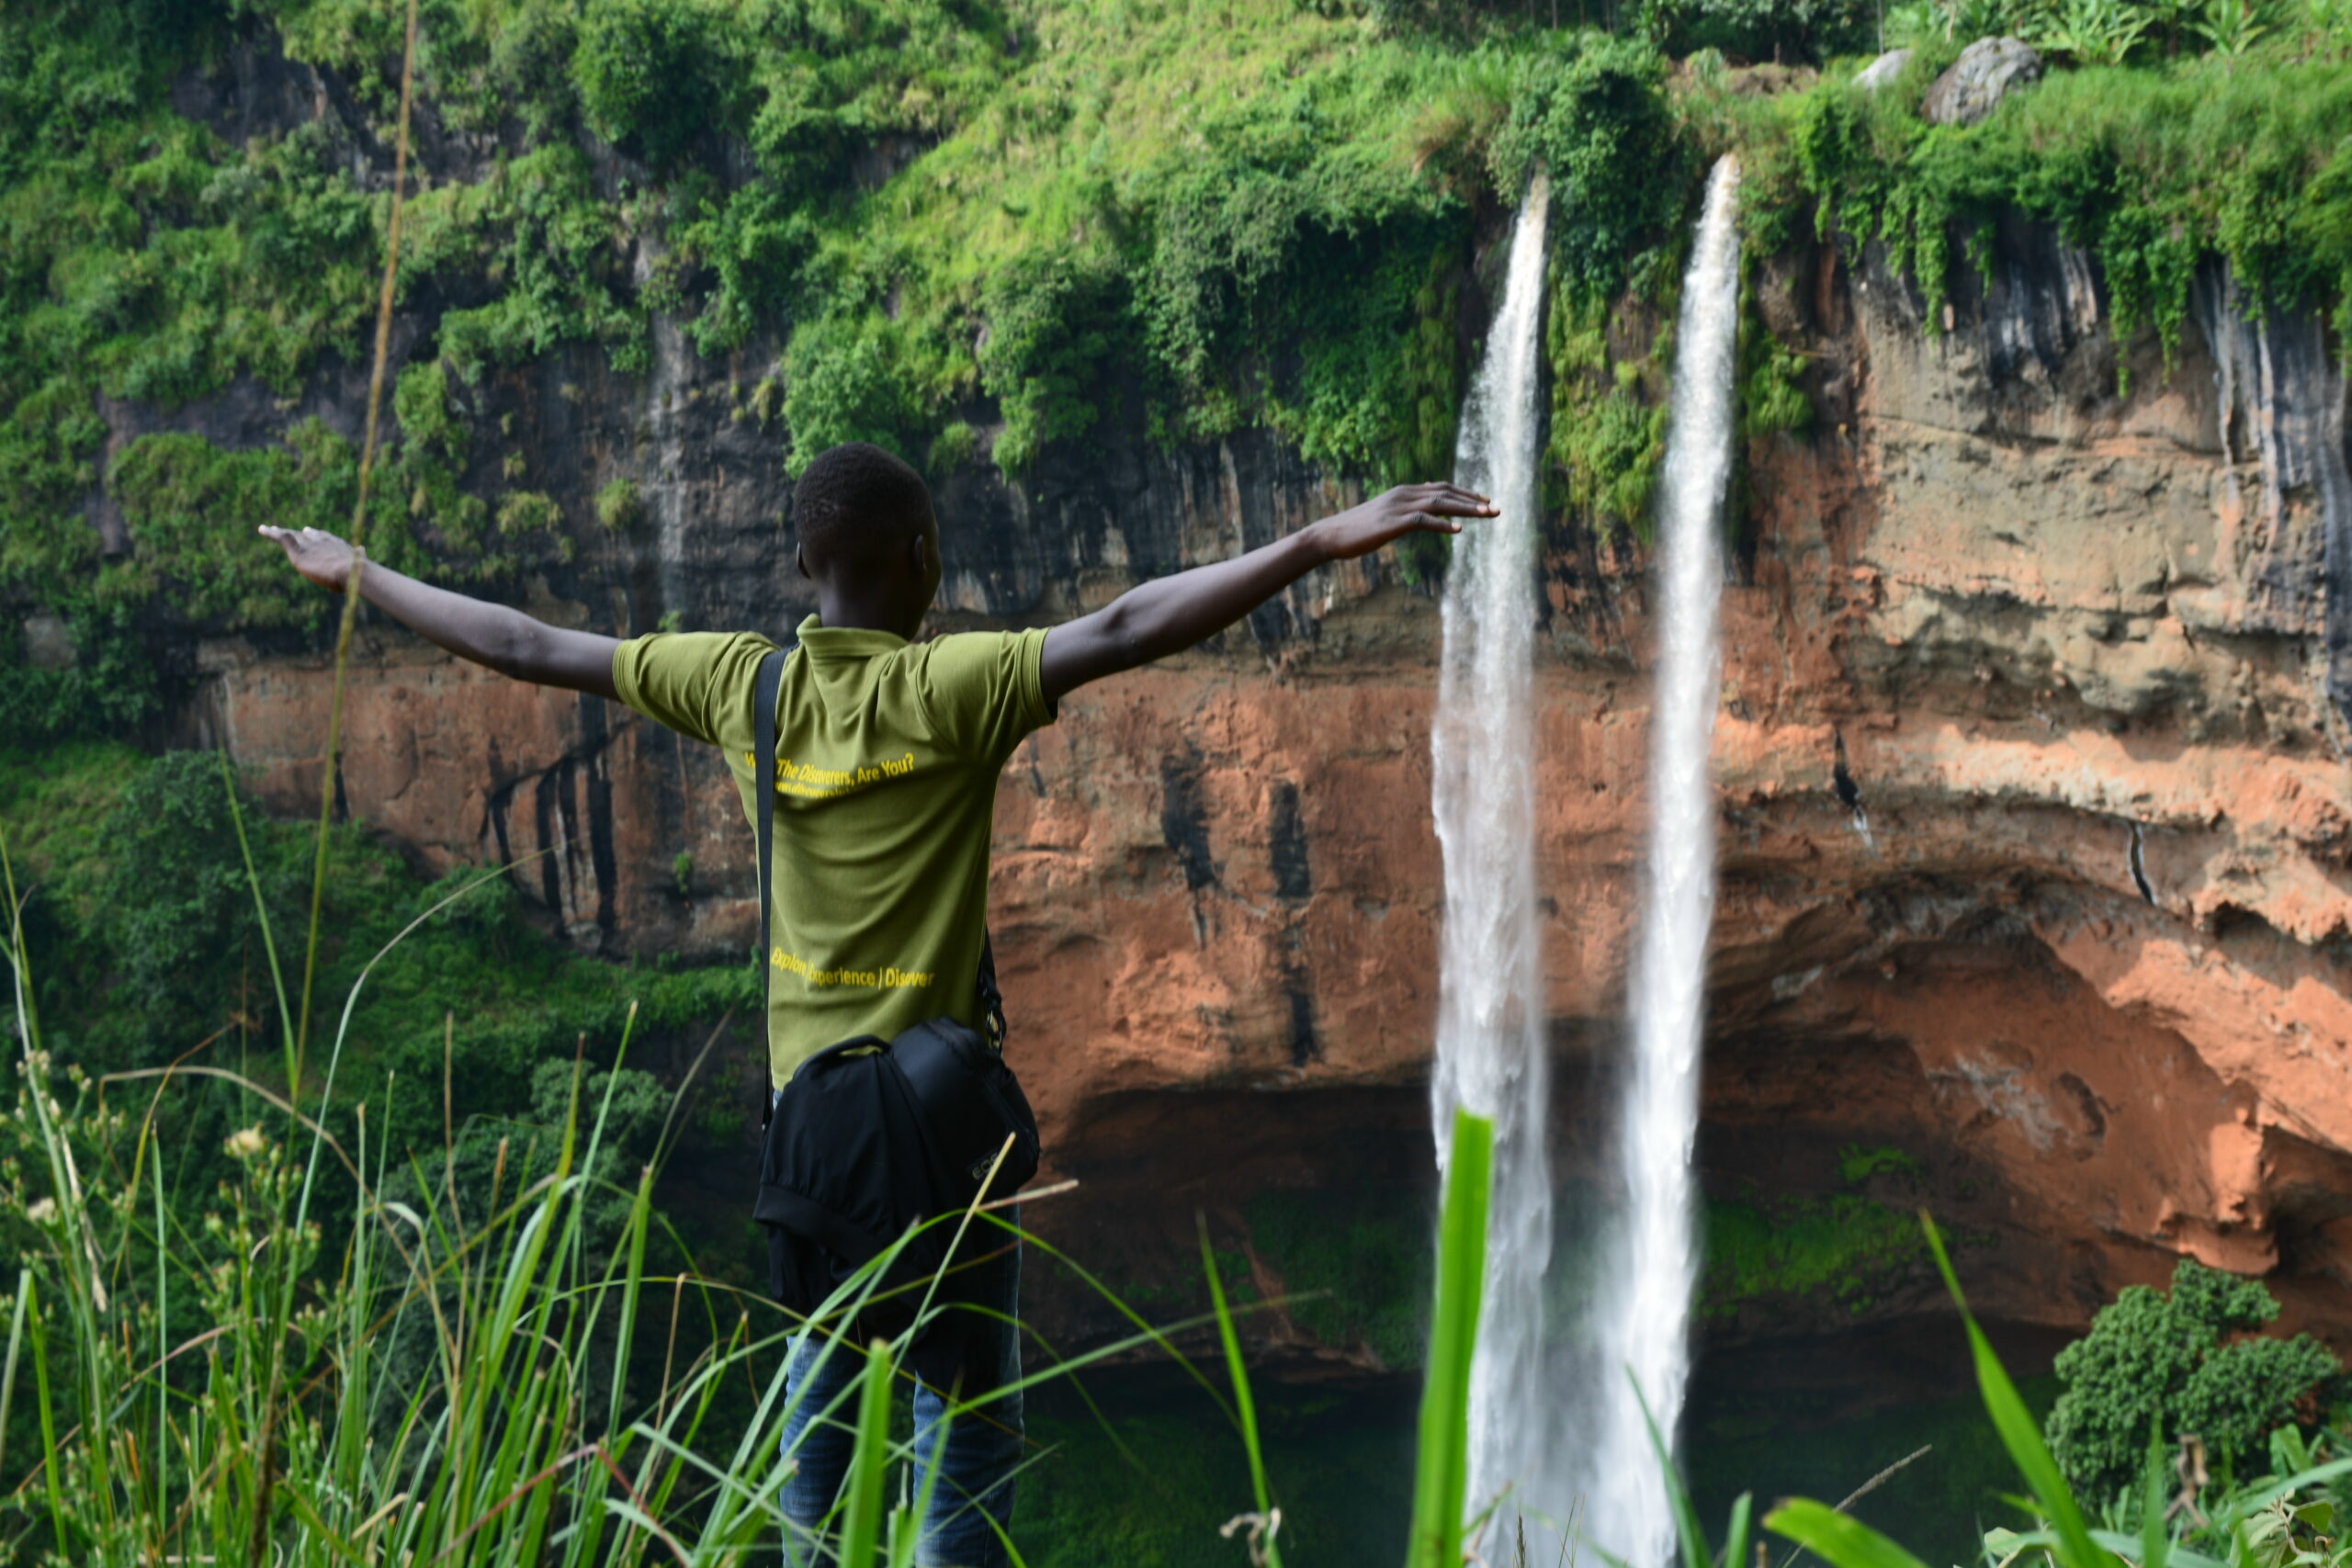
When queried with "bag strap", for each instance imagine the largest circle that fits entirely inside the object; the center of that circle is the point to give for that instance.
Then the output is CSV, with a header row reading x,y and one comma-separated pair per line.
x,y
991,999
763,698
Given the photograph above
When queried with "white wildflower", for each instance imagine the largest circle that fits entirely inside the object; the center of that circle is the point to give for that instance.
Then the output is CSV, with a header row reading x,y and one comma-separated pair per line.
x,y
42,1211
246,1142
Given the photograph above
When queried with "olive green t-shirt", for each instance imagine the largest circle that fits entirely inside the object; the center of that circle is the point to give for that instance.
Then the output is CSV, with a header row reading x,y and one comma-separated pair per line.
x,y
887,761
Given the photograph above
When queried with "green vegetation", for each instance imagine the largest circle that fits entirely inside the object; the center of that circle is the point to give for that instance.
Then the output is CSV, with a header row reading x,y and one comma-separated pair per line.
x,y
1791,1440
1042,216
656,76
335,1352
1848,1246
2148,167
2172,1361
1336,1458
103,682
1355,1263
458,1354
2286,1516
619,506
1845,1246
146,946
1859,1162
177,493
1609,415
1441,1484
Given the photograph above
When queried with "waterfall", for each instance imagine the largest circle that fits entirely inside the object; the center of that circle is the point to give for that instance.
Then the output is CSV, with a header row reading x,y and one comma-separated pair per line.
x,y
1491,989
1557,1421
1642,1312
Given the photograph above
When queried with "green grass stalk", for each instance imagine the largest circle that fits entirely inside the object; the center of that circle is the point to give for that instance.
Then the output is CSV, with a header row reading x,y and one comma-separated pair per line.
x,y
1441,1478
1245,1409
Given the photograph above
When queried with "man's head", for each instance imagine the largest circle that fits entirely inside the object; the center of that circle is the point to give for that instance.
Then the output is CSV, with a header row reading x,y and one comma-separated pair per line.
x,y
867,537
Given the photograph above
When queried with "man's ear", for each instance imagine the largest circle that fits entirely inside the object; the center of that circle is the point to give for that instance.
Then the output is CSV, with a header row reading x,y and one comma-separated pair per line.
x,y
917,554
801,559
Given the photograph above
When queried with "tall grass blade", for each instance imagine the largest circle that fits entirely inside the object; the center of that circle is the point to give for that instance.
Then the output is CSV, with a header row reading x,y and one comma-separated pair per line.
x,y
906,1523
1686,1529
1244,1406
2155,1540
1441,1475
1737,1534
358,560
52,1455
15,1343
1839,1539
861,1510
2012,1543
261,904
2020,1433
162,1477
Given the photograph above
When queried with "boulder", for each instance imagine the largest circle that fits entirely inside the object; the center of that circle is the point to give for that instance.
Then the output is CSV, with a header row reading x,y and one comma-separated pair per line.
x,y
1882,72
1986,72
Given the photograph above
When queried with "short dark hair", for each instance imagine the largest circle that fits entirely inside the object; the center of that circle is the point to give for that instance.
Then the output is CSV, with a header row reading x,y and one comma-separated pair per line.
x,y
856,503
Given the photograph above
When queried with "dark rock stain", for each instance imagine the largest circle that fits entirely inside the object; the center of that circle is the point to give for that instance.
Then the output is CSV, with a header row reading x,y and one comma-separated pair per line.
x,y
1183,818
1305,1047
2087,1102
601,858
1288,847
547,811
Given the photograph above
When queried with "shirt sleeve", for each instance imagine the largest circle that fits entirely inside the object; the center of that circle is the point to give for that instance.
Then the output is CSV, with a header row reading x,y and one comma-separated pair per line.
x,y
985,691
692,682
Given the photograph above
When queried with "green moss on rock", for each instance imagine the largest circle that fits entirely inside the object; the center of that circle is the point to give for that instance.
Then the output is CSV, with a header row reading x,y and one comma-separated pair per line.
x,y
1846,1248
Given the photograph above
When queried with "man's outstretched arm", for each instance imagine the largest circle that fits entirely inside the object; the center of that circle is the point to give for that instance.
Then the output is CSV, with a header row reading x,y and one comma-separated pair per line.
x,y
508,640
1171,613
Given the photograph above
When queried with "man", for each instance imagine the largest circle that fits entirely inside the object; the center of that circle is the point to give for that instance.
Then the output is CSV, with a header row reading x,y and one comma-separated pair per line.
x,y
887,756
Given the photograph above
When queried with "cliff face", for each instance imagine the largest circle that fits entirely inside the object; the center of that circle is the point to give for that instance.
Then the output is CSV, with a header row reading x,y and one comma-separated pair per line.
x,y
2087,967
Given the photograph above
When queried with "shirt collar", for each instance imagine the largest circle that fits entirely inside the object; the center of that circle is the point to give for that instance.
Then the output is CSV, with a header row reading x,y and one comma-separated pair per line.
x,y
846,642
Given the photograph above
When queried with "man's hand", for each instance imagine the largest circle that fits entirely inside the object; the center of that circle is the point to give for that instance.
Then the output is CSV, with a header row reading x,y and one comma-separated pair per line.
x,y
316,554
1159,617
508,640
1385,518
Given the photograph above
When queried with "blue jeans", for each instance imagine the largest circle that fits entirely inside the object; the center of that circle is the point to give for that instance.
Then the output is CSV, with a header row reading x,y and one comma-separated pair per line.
x,y
972,1501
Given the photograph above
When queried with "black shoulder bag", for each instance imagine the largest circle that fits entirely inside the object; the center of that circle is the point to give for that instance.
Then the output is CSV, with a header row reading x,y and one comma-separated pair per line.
x,y
870,1138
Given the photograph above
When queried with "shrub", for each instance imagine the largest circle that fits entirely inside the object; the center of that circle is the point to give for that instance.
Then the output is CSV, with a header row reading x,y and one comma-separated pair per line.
x,y
190,508
528,512
108,688
536,225
2149,170
755,243
2168,1357
841,382
619,506
655,74
171,898
1621,172
1054,321
1792,30
953,447
1607,442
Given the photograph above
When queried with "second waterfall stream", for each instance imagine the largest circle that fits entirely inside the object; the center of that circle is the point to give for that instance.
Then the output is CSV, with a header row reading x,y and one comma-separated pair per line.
x,y
1555,1413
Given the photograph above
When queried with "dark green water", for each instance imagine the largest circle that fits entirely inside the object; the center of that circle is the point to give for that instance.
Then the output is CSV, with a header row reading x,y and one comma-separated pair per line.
x,y
1814,1419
